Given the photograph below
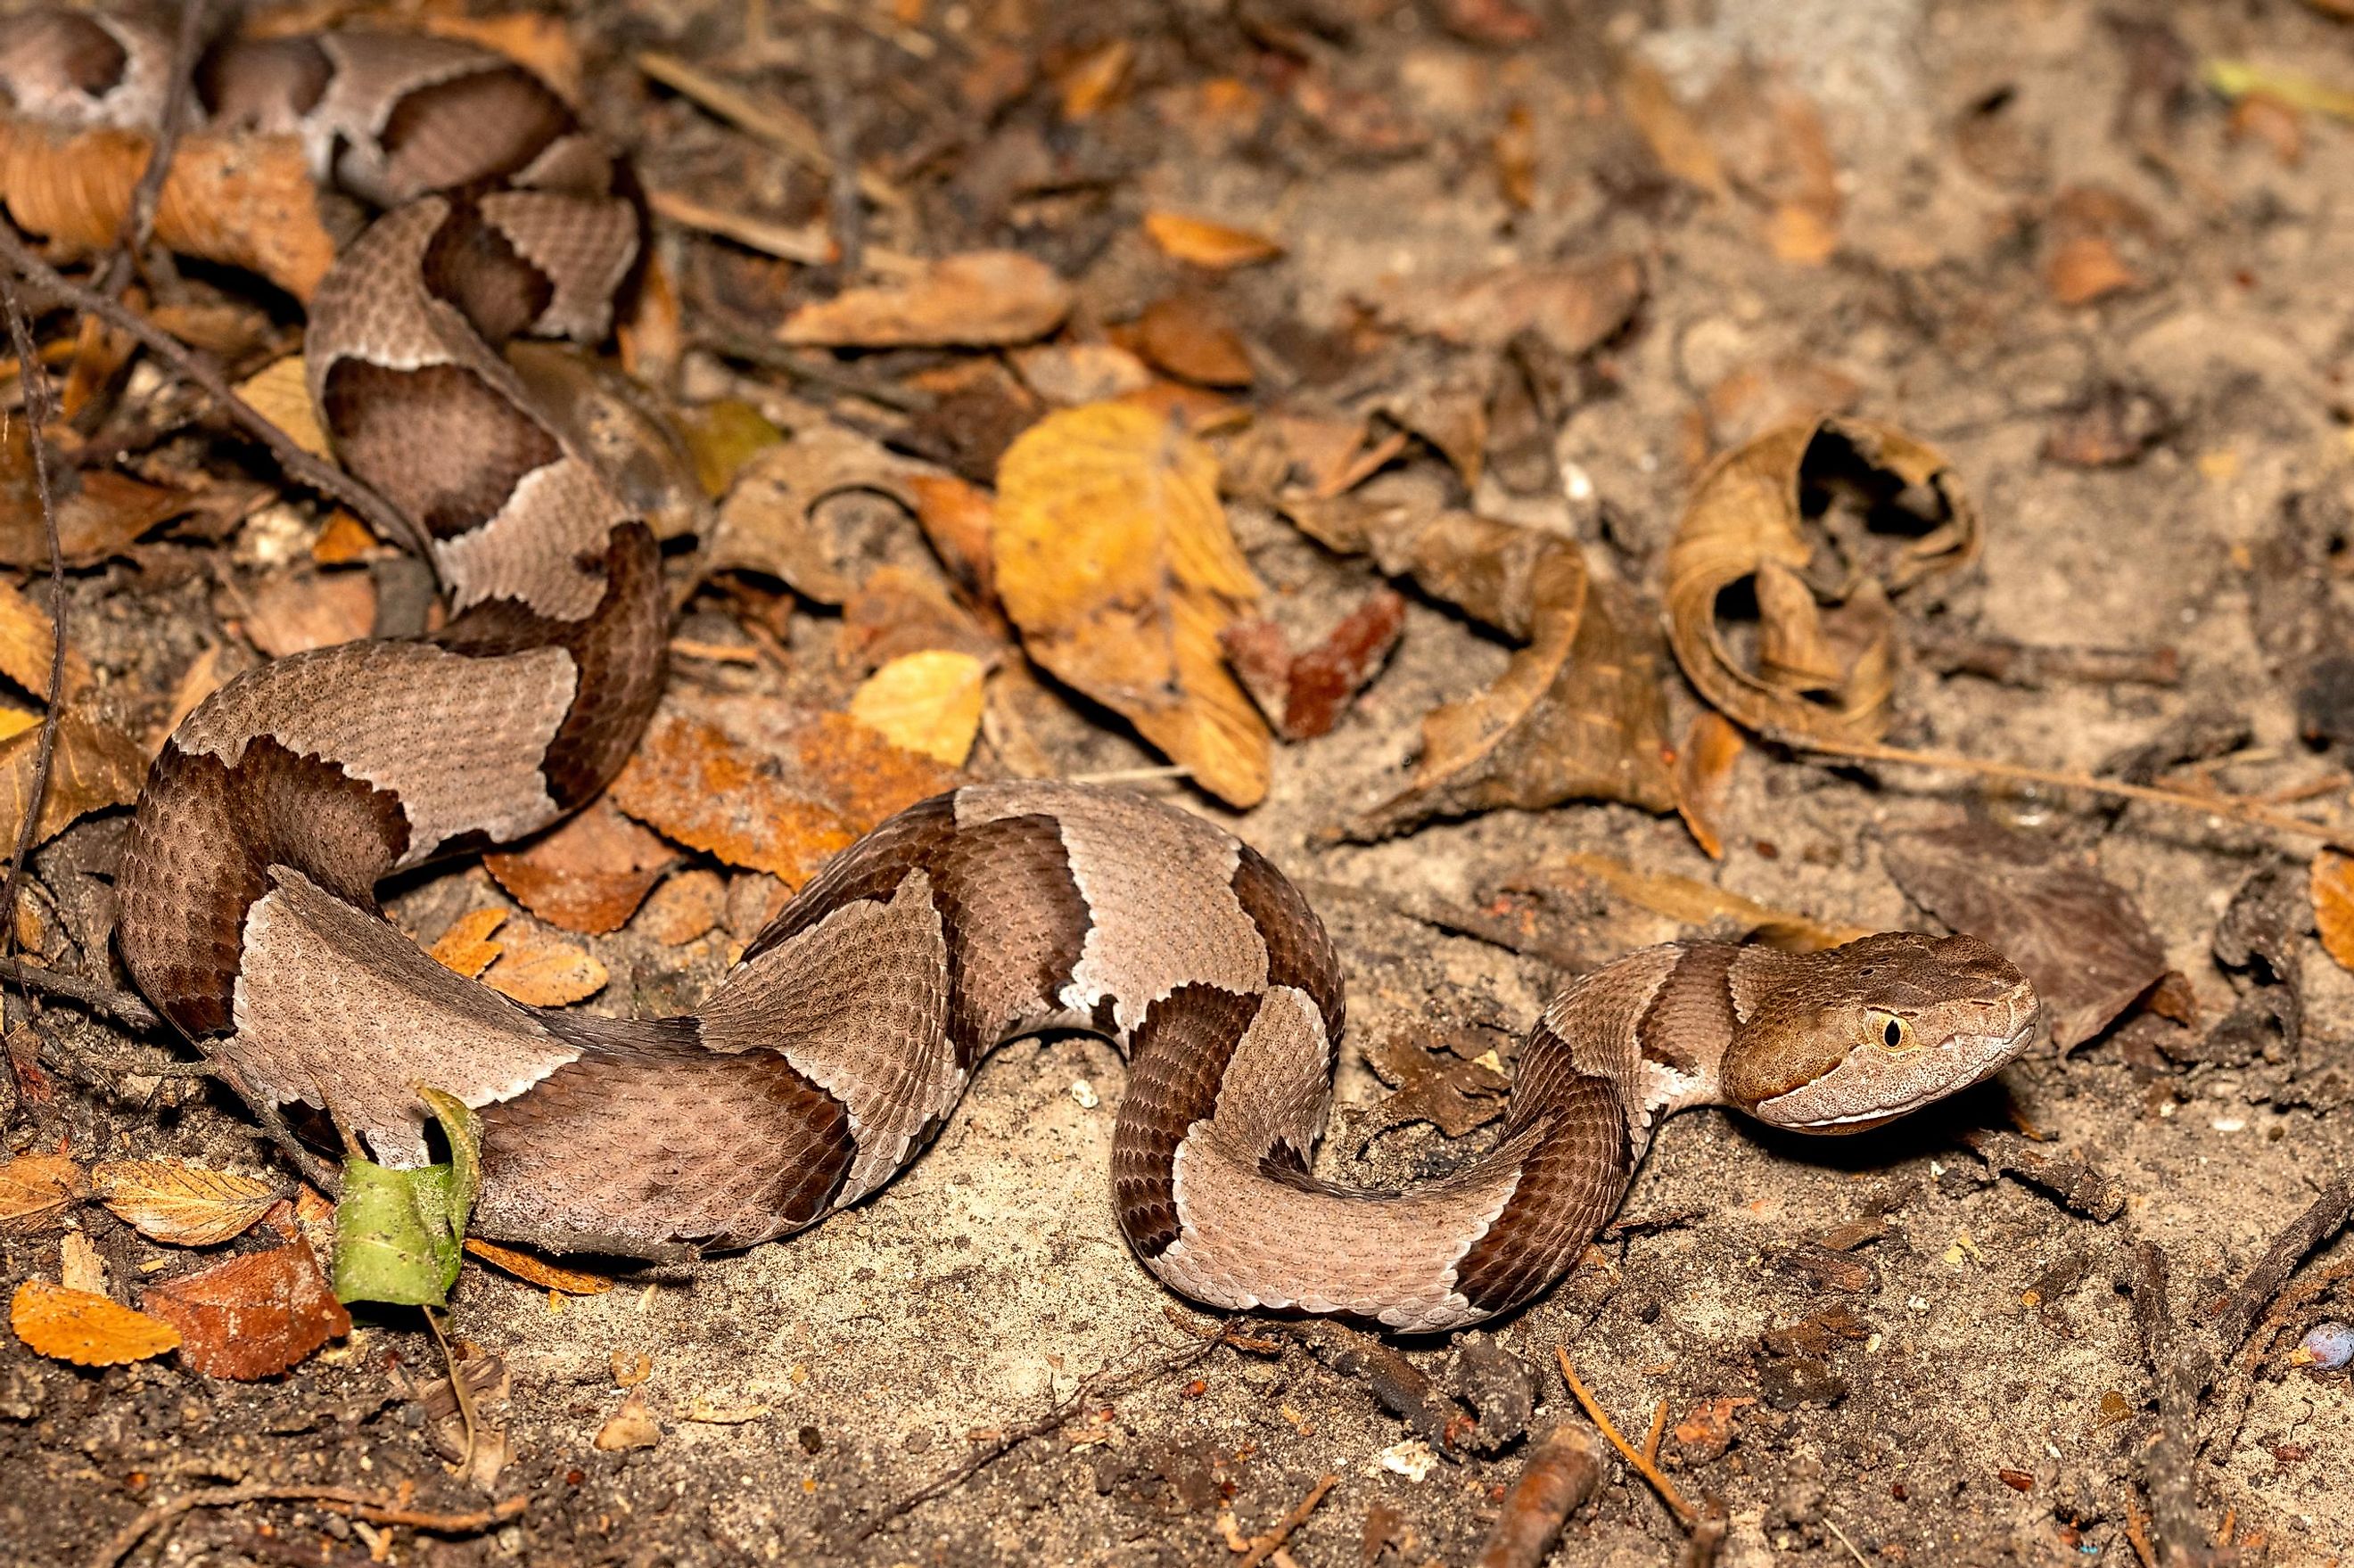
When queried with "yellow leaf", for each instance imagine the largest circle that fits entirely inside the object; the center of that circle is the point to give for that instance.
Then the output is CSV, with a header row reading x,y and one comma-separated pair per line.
x,y
283,396
926,702
1206,244
86,1330
181,1206
1112,555
2332,882
466,947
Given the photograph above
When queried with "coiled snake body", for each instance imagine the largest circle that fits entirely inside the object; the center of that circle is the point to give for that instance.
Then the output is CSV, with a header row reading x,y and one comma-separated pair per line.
x,y
843,1040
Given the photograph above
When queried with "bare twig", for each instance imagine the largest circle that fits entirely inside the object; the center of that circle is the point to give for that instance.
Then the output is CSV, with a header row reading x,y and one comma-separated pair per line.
x,y
122,1006
1270,1542
815,371
1563,1471
778,124
830,56
139,219
2323,1218
1843,1541
2027,664
36,385
2237,808
376,1507
1101,1384
1643,1467
2178,1376
324,477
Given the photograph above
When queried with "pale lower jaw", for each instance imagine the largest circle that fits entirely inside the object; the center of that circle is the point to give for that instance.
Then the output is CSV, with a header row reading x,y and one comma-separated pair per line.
x,y
1864,1121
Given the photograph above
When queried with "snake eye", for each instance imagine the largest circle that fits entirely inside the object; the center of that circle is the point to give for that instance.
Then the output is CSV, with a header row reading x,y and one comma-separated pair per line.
x,y
1895,1033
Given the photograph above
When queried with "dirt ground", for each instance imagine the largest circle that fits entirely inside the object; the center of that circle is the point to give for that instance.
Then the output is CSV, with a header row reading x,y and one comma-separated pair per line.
x,y
2115,301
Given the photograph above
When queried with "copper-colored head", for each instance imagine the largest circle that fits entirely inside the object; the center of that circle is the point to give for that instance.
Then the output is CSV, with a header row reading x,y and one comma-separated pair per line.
x,y
1847,1039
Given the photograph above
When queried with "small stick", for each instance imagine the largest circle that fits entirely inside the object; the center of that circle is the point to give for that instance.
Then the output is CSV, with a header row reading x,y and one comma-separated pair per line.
x,y
324,477
373,1507
828,53
1843,1541
2322,1219
1561,1474
1262,1547
122,1006
459,1394
2233,806
1658,1429
139,219
1643,1467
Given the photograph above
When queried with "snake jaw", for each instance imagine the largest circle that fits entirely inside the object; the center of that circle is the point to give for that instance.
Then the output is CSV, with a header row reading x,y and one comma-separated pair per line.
x,y
1873,1084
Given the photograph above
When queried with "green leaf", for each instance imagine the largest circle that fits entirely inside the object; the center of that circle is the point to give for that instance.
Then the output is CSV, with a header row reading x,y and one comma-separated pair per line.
x,y
399,1234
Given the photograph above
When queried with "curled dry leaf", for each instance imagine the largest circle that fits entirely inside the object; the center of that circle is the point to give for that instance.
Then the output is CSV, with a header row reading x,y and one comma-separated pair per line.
x,y
537,1270
251,1317
248,201
2077,935
784,807
1819,662
767,523
99,512
36,1192
1578,714
589,874
86,1330
180,1204
979,298
1704,765
1113,557
928,702
1217,246
1452,1093
1304,695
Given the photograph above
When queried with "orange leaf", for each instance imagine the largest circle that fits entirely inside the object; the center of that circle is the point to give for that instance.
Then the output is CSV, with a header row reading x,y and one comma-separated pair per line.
x,y
538,971
1207,244
179,1205
86,1330
294,613
588,876
1704,765
537,1270
684,907
979,298
1089,83
35,1191
466,947
251,1317
2332,883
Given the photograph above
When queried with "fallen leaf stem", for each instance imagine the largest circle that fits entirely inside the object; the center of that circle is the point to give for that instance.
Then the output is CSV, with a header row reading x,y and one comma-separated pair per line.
x,y
1643,1467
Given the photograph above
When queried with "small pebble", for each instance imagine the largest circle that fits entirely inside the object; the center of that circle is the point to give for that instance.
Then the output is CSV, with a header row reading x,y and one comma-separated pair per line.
x,y
1085,1093
2330,1345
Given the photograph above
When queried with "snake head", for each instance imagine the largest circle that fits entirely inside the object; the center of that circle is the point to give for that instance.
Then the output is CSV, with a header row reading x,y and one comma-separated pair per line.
x,y
1846,1039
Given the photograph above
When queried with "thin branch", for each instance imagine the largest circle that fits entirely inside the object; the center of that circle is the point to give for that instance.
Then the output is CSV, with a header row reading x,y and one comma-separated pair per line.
x,y
324,477
2177,1375
1643,1467
2253,812
376,1507
848,217
1101,1384
122,1006
2323,1218
36,385
139,219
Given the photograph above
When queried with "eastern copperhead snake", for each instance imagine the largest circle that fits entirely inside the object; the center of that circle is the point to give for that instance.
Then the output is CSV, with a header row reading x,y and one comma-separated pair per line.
x,y
840,1043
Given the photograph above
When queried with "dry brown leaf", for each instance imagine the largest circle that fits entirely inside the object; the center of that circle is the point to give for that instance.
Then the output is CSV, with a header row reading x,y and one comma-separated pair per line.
x,y
538,969
1690,902
251,1317
1675,137
1515,149
541,45
768,523
1438,1087
536,1270
1088,82
979,298
1573,305
1189,336
2331,880
589,874
898,610
27,642
466,947
296,612
78,1266
629,1428
784,809
1069,374
99,512
1817,666
958,519
1113,557
180,1205
37,1190
1217,246
96,766
683,908
245,200
86,1330
282,394
926,702
345,542
1704,765
2083,267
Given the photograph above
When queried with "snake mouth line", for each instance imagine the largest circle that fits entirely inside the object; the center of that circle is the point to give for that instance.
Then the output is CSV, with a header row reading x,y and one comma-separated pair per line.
x,y
2012,1044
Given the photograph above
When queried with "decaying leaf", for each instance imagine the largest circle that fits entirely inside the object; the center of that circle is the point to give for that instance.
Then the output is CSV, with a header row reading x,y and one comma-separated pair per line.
x,y
1069,374
1217,246
28,639
1573,305
898,610
96,766
295,612
86,1330
99,512
538,970
721,437
926,702
1188,336
767,522
629,1428
245,200
1699,905
282,394
1675,138
1704,765
180,1204
2332,882
1820,660
78,1266
589,874
784,809
684,907
2074,933
1451,1092
1113,557
975,300
397,1232
1578,713
537,1270
36,1192
251,1317
1304,695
